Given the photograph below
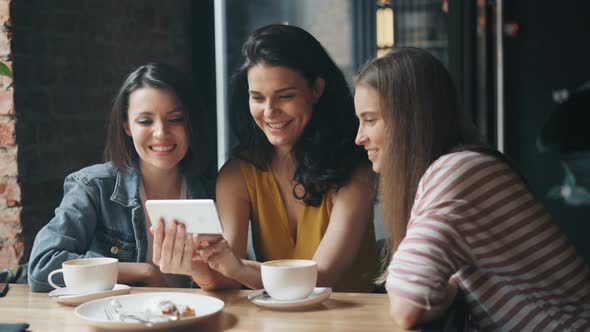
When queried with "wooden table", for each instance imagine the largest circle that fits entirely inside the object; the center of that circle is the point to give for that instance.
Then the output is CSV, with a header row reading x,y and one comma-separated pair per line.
x,y
341,312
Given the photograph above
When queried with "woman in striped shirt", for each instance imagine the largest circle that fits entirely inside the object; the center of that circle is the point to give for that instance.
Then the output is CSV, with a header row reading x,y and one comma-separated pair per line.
x,y
460,219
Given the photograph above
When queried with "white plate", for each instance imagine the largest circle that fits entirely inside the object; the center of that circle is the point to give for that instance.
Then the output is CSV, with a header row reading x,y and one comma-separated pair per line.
x,y
319,295
61,295
93,312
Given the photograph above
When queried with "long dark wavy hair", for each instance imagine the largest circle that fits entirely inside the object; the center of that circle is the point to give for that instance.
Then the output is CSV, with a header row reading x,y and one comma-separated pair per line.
x,y
119,147
325,153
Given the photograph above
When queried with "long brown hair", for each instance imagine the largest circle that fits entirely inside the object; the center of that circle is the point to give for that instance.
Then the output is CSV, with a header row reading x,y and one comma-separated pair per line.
x,y
423,121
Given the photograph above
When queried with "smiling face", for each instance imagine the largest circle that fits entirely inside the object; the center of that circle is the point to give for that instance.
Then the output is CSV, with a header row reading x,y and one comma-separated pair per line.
x,y
157,126
371,130
281,103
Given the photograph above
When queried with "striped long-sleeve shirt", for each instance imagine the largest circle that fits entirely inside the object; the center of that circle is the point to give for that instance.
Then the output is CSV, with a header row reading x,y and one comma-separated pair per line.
x,y
474,220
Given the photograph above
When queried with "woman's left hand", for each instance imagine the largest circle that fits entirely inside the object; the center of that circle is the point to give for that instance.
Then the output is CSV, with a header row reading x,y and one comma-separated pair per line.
x,y
173,251
217,253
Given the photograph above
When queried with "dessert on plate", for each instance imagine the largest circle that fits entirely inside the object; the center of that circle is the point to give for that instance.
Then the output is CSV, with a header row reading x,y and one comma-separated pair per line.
x,y
164,306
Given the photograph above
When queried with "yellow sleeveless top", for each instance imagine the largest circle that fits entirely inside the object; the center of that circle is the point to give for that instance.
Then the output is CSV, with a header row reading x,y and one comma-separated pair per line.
x,y
272,238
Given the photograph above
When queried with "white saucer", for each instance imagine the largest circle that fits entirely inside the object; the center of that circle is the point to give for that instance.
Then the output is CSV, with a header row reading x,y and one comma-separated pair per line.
x,y
61,295
319,295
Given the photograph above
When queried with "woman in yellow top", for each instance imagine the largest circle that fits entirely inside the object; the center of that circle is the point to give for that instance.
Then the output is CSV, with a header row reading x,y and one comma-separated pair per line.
x,y
297,174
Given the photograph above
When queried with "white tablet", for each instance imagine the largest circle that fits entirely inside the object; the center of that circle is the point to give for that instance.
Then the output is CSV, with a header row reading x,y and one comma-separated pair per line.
x,y
198,215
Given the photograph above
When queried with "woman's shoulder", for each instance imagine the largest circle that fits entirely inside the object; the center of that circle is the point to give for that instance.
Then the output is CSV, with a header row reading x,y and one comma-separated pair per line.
x,y
232,172
468,155
456,171
95,172
230,167
238,167
98,181
232,181
466,160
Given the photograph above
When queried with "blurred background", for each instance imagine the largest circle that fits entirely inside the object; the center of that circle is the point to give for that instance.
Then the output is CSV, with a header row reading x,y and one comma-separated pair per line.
x,y
521,67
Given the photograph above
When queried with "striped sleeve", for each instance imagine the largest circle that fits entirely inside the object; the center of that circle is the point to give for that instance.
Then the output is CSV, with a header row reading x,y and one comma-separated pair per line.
x,y
474,220
433,250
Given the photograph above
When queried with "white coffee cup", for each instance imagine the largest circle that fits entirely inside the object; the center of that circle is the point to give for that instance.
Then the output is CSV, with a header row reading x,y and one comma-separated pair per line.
x,y
289,279
87,275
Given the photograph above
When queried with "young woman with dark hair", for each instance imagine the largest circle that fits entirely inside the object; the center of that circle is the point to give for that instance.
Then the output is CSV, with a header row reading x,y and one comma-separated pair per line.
x,y
297,174
460,219
155,150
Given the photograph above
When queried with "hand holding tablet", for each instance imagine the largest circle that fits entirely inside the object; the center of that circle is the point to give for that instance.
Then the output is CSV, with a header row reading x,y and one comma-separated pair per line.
x,y
198,215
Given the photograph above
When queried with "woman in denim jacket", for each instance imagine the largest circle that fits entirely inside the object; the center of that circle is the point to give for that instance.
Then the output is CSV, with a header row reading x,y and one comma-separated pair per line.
x,y
154,151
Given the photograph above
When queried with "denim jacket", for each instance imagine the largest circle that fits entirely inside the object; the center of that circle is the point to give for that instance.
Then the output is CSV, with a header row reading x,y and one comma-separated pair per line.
x,y
100,215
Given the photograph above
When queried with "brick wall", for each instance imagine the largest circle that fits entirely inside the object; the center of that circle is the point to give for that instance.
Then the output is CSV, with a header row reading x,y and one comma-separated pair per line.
x,y
11,245
69,58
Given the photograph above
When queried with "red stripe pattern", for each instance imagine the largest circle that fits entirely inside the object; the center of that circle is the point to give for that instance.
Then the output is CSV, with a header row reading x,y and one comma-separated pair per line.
x,y
473,219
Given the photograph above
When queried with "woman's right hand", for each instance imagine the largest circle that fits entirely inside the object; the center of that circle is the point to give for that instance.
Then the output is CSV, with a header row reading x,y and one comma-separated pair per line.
x,y
218,254
174,252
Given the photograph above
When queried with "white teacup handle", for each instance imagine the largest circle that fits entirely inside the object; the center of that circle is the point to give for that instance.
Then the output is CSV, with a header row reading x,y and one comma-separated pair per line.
x,y
51,275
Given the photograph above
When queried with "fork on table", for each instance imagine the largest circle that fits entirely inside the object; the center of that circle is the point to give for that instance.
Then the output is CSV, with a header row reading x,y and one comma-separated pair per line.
x,y
113,313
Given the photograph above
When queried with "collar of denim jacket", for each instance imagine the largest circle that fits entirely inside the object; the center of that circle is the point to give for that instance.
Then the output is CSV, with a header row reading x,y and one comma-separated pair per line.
x,y
126,190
